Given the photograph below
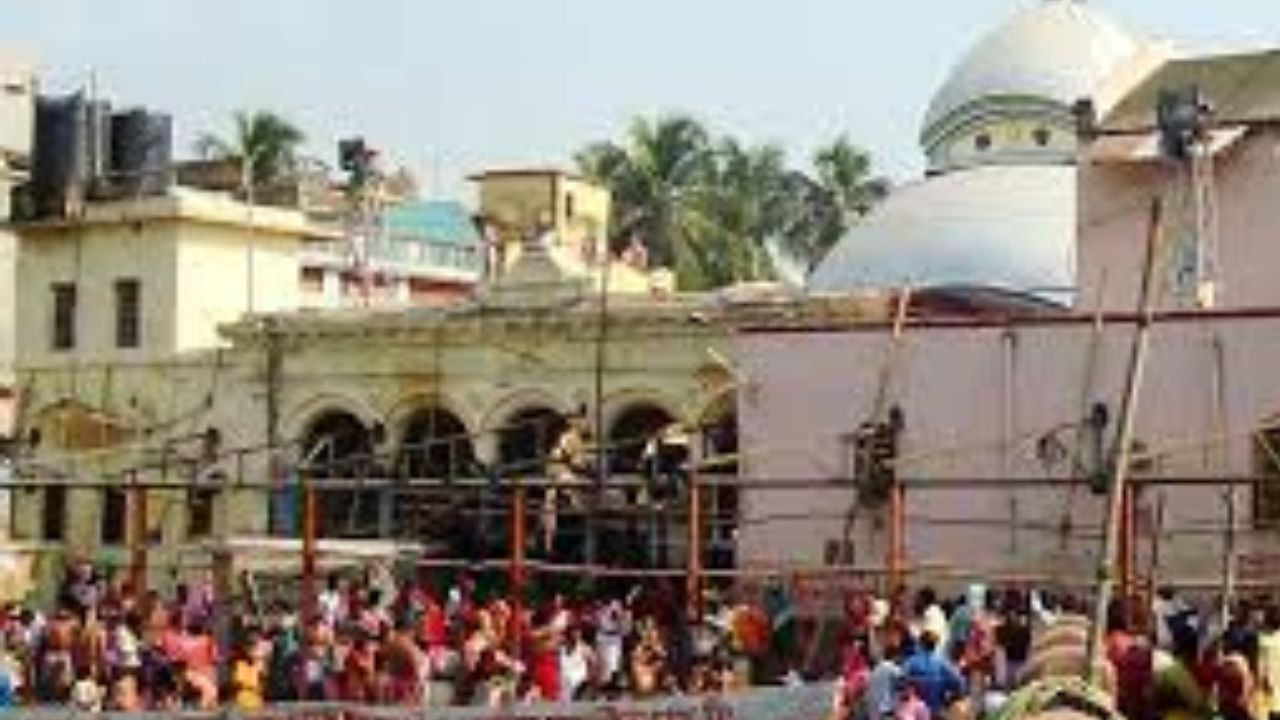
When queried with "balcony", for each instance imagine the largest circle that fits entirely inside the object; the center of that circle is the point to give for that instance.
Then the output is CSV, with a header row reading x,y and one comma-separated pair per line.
x,y
410,258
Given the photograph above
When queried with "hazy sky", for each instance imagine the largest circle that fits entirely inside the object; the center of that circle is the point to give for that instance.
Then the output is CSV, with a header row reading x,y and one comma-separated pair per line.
x,y
451,86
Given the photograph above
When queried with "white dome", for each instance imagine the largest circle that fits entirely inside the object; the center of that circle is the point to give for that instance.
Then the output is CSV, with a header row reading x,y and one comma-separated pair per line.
x,y
1055,50
1008,227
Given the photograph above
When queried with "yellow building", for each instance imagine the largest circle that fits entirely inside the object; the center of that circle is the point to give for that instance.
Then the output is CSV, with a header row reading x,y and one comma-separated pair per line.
x,y
519,204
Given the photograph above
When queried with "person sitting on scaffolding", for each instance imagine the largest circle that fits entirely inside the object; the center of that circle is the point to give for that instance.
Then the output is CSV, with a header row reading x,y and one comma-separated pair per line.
x,y
566,466
666,463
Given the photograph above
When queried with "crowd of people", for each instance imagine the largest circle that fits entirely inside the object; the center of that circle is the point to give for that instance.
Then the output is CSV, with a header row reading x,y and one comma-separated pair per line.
x,y
965,657
372,638
436,640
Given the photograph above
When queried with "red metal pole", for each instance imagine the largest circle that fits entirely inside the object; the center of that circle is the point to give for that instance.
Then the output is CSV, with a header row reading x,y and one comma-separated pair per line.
x,y
138,537
309,532
1128,546
693,576
519,519
897,532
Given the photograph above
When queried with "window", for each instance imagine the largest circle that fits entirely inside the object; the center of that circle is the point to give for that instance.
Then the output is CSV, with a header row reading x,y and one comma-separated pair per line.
x,y
1266,494
53,521
200,505
1042,136
982,141
128,313
64,316
569,206
113,524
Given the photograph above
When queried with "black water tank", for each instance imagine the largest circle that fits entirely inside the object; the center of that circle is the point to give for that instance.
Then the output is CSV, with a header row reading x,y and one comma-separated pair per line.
x,y
141,152
59,172
98,119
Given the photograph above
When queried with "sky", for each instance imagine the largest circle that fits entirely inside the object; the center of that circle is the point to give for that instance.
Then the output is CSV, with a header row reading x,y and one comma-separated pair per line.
x,y
449,87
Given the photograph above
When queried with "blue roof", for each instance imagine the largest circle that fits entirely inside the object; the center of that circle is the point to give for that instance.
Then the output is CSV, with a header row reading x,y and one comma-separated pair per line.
x,y
436,222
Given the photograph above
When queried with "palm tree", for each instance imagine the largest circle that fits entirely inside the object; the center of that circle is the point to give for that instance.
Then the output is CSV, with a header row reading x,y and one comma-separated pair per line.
x,y
718,211
737,212
653,176
267,142
844,172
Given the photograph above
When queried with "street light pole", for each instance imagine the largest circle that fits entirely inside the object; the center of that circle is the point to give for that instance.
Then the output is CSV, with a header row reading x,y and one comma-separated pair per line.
x,y
246,188
602,455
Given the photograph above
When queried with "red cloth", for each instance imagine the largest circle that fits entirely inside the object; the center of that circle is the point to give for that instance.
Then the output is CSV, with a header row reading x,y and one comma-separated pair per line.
x,y
1131,658
545,674
434,627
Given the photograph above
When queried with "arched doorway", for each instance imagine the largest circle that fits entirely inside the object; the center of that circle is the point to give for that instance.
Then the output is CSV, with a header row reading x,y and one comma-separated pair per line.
x,y
631,432
435,446
526,438
339,447
642,531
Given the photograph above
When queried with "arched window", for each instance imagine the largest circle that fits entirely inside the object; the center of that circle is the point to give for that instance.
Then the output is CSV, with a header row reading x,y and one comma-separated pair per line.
x,y
526,439
630,434
338,446
436,445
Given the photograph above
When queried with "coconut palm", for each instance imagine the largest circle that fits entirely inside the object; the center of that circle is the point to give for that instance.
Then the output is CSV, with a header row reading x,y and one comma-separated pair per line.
x,y
716,211
653,175
268,141
737,212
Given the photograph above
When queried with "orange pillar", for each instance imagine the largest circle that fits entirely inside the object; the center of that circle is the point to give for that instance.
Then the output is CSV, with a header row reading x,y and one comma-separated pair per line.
x,y
138,539
693,569
1128,545
897,533
519,531
309,533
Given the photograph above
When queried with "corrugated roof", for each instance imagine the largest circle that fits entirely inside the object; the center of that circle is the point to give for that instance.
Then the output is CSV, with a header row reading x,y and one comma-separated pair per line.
x,y
1241,88
438,222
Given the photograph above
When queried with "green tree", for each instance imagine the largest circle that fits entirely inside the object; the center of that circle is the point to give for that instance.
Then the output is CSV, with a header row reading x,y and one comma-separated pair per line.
x,y
717,211
846,191
737,212
653,175
266,141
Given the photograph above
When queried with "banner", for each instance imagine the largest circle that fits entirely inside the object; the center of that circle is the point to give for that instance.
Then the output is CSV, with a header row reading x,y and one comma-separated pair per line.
x,y
805,702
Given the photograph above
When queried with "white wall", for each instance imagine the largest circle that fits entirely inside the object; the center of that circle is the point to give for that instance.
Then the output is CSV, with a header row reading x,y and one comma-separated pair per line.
x,y
8,297
1115,201
213,276
976,401
94,258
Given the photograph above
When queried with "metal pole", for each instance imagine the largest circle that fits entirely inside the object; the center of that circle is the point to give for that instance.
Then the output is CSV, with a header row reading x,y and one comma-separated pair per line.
x,y
138,537
897,531
274,365
309,532
693,559
223,581
1229,492
1124,438
246,184
602,455
1128,544
518,545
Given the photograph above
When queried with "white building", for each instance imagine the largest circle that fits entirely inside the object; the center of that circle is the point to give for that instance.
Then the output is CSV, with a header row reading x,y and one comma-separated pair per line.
x,y
17,94
998,205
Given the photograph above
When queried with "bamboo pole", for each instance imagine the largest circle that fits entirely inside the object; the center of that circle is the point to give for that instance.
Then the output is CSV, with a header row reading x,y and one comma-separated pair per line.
x,y
1122,451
